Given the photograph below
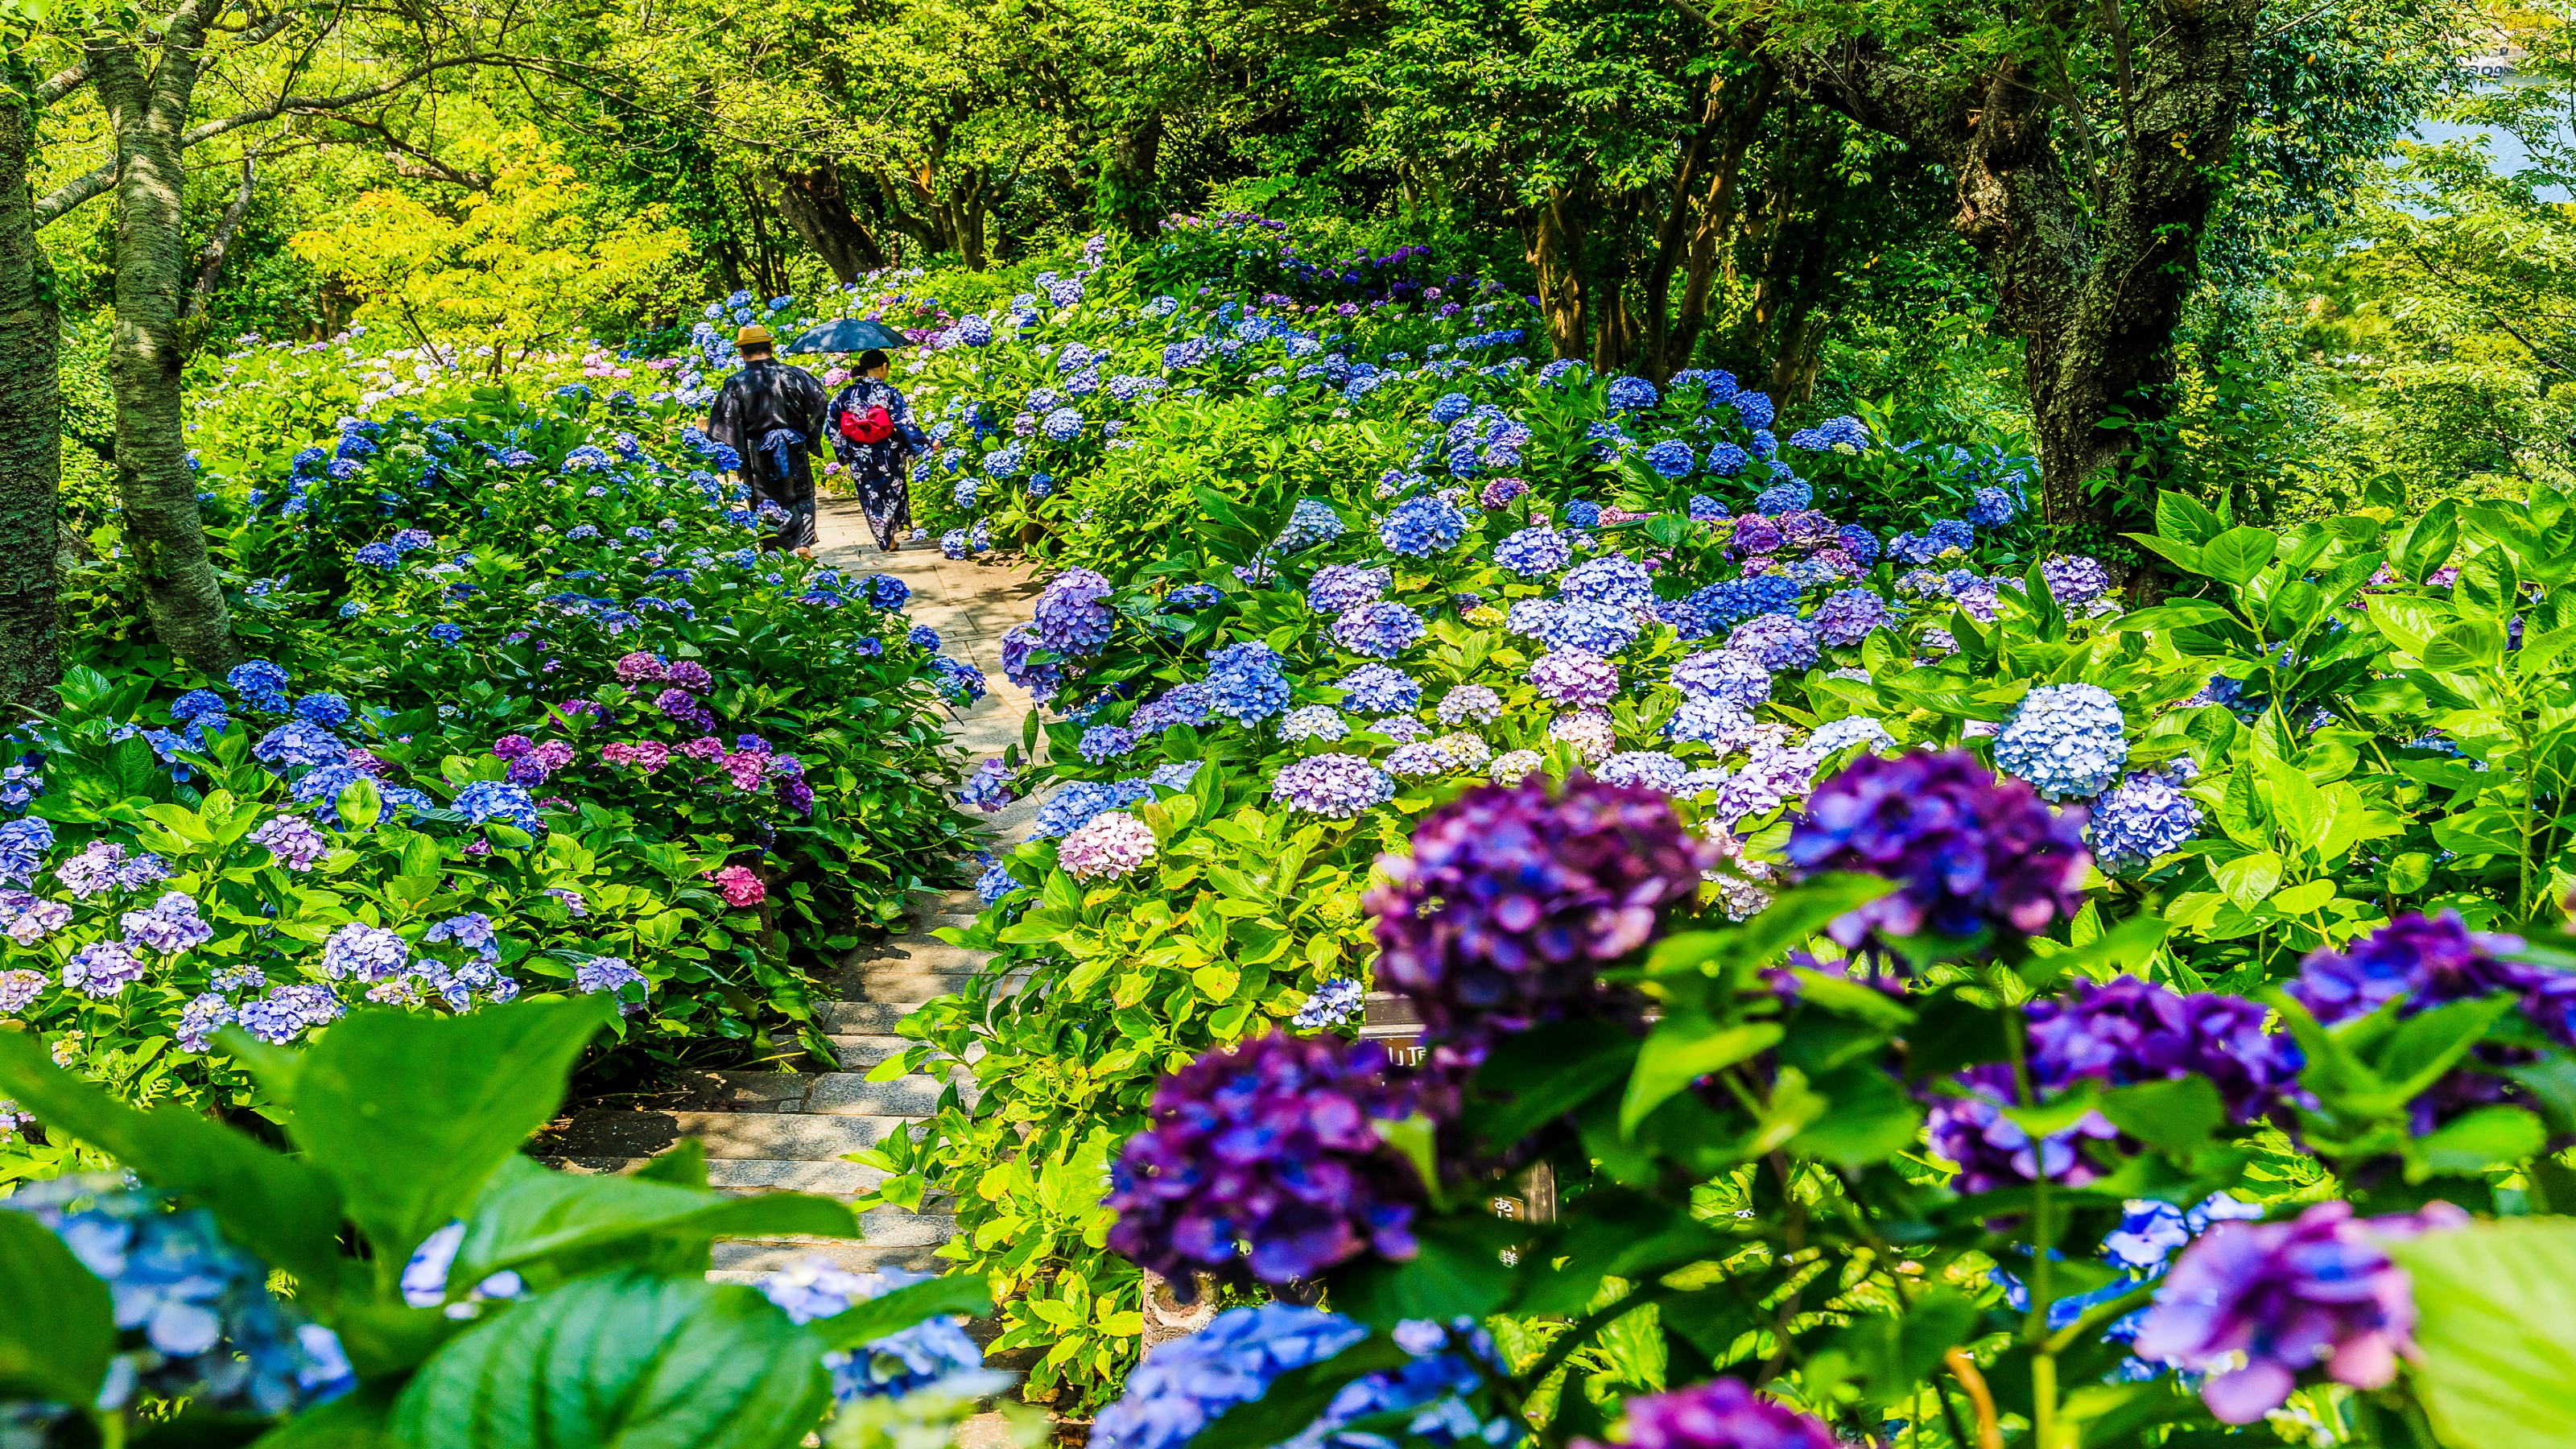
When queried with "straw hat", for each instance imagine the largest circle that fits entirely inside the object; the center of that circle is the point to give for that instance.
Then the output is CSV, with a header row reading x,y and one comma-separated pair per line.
x,y
754,335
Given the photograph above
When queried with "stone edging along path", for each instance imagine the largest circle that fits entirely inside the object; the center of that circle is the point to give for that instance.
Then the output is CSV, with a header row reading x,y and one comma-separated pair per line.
x,y
770,1131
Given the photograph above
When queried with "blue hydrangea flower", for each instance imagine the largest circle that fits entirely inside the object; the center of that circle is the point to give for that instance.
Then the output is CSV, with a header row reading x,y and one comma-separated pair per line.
x,y
1061,425
1377,689
1245,684
2067,740
1780,498
1420,527
1631,395
1583,513
2143,817
196,1310
1611,579
1589,627
1310,523
1730,601
323,708
1725,676
298,744
1671,458
1950,533
1754,409
1992,508
1534,552
1337,787
890,1367
485,801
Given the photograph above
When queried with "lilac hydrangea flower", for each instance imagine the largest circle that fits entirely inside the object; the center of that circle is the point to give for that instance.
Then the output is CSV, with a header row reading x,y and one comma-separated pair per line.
x,y
1073,618
1779,641
1585,627
1646,769
1185,1383
1105,742
297,744
1967,851
1273,1146
1469,704
1575,677
1314,722
612,975
1337,787
2074,579
368,953
1533,895
1725,676
101,969
1337,587
169,925
1380,630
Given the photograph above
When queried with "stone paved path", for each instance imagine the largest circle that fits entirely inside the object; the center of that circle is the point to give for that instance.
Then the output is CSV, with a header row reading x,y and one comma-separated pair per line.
x,y
767,1131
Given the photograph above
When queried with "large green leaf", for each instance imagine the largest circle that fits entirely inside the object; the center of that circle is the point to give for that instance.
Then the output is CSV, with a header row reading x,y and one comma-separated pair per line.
x,y
1683,1048
528,1213
412,1112
278,1207
2237,555
59,1329
2492,1302
622,1361
1457,1271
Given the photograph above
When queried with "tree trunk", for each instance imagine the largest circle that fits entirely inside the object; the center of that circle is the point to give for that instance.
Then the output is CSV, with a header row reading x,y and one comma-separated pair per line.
x,y
817,204
165,538
1129,194
1553,237
2094,300
30,435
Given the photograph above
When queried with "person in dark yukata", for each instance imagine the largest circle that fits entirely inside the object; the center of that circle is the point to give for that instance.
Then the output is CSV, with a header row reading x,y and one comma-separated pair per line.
x,y
874,437
772,414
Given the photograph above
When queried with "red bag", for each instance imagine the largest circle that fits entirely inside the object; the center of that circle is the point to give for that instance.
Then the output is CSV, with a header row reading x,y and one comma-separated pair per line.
x,y
874,426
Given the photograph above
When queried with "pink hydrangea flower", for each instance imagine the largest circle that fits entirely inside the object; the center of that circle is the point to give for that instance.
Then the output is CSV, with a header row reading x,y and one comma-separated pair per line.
x,y
1112,845
748,768
639,667
739,886
704,747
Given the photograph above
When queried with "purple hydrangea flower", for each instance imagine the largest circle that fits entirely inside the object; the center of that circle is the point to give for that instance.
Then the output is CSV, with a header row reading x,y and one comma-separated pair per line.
x,y
293,840
2074,579
1274,1147
612,975
1966,850
1469,704
2254,1305
1020,642
1721,1414
101,969
1512,901
1846,618
2130,1030
1102,742
297,744
1755,535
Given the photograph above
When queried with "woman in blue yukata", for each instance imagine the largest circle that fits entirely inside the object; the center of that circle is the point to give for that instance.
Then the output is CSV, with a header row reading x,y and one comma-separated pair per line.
x,y
872,433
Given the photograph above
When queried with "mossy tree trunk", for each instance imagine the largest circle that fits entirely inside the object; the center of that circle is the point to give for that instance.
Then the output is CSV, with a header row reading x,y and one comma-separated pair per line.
x,y
30,432
165,539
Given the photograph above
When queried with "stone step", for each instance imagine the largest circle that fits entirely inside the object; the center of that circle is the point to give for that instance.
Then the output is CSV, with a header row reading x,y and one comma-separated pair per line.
x,y
863,1018
748,1260
791,1136
896,981
836,1093
756,1174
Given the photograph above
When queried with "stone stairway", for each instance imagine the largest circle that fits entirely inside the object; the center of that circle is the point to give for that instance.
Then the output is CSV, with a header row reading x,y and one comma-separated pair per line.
x,y
792,1131
772,1131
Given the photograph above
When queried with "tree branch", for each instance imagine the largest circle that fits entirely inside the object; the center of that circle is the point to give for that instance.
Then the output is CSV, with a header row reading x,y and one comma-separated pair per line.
x,y
62,83
211,270
93,184
423,165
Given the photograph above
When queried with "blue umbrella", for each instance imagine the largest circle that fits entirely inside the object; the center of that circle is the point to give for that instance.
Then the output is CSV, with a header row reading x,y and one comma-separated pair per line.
x,y
850,334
